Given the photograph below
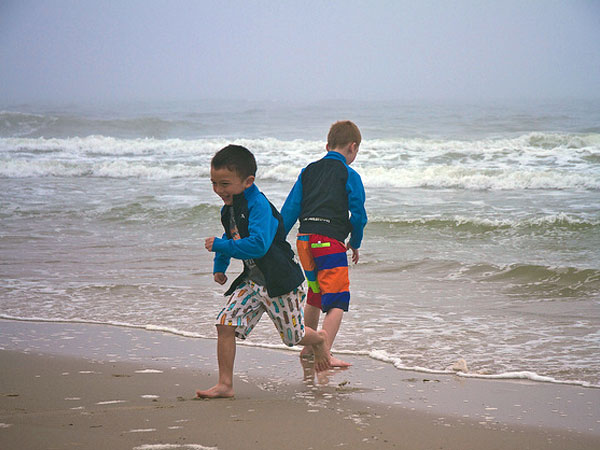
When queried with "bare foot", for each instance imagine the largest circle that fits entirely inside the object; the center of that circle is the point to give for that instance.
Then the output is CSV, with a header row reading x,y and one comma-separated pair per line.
x,y
306,352
322,356
217,391
335,362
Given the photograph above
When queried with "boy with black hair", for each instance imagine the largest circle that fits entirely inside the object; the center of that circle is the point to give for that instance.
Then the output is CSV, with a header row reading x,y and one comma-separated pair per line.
x,y
271,281
325,193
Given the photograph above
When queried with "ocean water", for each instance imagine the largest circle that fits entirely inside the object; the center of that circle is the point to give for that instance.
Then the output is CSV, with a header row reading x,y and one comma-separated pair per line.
x,y
483,240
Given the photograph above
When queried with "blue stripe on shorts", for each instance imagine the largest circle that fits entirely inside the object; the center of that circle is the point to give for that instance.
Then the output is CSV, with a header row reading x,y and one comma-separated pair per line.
x,y
339,300
331,261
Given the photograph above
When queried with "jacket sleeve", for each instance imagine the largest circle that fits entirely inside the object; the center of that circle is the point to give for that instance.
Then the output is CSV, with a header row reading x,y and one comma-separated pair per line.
x,y
356,205
292,206
221,261
262,227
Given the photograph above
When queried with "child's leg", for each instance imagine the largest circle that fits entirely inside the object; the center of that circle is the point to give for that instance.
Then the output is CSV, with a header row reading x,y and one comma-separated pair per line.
x,y
310,271
311,320
311,316
332,276
226,358
318,340
312,309
331,324
286,312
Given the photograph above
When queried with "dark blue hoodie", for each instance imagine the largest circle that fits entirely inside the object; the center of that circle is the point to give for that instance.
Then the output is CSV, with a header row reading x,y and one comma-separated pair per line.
x,y
262,239
324,193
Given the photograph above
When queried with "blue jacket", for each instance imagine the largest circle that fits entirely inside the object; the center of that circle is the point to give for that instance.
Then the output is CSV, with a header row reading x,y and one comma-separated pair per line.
x,y
262,239
324,193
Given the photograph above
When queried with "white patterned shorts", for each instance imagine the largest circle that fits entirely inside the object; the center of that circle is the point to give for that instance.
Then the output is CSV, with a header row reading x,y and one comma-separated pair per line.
x,y
249,301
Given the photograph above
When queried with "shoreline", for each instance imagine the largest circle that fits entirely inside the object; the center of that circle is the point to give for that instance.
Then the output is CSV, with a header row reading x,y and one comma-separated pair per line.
x,y
136,382
518,375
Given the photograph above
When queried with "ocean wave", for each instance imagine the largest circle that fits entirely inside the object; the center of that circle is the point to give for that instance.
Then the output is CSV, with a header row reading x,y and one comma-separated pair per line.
x,y
458,177
204,119
27,168
20,124
23,124
550,221
148,211
551,141
478,179
534,150
137,212
531,141
568,162
529,272
97,145
383,152
437,177
550,277
534,281
529,282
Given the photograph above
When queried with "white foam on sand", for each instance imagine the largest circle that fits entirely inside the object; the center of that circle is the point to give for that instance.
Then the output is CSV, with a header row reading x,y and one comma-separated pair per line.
x,y
460,369
174,446
378,355
111,402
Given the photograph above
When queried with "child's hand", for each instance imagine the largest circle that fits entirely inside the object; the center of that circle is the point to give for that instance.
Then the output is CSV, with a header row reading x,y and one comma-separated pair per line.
x,y
355,255
220,277
208,244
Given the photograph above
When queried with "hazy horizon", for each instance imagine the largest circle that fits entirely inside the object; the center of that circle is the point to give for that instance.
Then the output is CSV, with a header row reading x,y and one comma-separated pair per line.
x,y
62,52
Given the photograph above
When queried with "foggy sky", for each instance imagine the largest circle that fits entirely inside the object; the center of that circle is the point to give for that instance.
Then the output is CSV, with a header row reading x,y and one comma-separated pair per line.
x,y
70,51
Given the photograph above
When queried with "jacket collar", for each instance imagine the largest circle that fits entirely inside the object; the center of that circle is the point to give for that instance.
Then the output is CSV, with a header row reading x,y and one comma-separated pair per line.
x,y
247,194
336,155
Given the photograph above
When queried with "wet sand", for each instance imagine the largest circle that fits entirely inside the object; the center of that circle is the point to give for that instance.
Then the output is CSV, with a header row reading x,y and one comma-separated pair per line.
x,y
66,385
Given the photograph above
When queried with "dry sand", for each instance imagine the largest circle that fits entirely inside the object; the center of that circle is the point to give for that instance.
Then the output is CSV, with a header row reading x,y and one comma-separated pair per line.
x,y
66,386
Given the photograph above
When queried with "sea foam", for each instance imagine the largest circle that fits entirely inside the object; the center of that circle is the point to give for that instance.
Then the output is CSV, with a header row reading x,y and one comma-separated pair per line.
x,y
378,355
535,161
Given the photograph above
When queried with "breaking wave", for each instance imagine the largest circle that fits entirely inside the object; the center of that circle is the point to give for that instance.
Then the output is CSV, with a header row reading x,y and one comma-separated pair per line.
x,y
567,222
534,161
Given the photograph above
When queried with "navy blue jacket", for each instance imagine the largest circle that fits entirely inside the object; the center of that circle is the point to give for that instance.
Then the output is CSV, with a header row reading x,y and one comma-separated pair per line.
x,y
324,193
262,239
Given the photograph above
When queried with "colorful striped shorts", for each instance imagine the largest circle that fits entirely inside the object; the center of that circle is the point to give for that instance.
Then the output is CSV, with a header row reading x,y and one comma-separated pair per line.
x,y
325,265
249,301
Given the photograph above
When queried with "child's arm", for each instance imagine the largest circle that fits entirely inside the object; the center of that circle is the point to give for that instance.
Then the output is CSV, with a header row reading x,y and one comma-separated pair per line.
x,y
356,206
291,208
220,262
220,277
262,227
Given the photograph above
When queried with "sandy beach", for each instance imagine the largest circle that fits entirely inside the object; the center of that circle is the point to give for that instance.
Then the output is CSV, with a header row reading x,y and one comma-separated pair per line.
x,y
474,314
68,385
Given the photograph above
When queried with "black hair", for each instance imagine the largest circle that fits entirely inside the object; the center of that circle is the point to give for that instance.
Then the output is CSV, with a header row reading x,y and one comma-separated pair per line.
x,y
236,158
